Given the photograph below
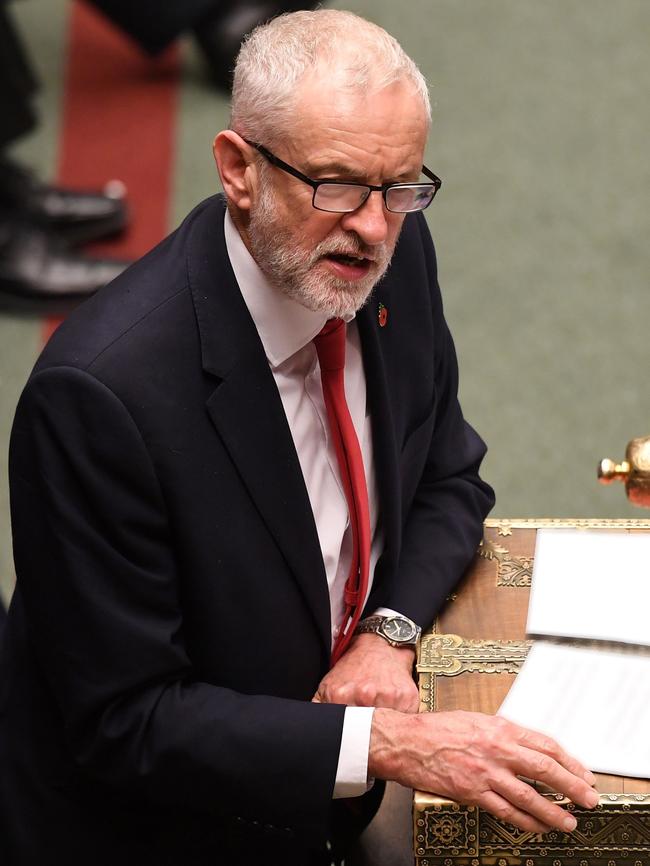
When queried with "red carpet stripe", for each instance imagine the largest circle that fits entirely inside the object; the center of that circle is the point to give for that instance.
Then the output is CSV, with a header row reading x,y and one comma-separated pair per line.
x,y
118,121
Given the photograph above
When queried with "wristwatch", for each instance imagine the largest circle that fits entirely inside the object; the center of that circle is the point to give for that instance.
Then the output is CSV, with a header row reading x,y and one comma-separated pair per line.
x,y
397,630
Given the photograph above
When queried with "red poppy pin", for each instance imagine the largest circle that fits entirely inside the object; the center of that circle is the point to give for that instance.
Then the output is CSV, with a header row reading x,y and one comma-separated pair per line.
x,y
382,316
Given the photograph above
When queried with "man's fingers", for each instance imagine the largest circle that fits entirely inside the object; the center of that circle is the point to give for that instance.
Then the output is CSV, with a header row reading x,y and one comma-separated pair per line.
x,y
404,699
412,703
544,768
541,743
504,810
526,800
369,694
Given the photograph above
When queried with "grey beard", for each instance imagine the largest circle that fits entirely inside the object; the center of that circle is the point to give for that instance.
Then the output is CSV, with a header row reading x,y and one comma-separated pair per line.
x,y
293,271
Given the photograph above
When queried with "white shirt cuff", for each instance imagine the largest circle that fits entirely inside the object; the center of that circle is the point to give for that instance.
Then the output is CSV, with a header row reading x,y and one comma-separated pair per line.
x,y
386,611
352,770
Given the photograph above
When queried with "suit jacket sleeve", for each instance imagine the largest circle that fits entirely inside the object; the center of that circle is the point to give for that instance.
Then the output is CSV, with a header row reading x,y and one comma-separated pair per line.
x,y
101,592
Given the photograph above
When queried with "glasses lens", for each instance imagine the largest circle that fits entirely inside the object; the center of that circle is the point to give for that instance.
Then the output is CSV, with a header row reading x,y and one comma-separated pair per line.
x,y
405,199
340,197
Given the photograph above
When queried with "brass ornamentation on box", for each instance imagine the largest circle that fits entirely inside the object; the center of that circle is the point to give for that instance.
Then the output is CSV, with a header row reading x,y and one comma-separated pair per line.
x,y
468,661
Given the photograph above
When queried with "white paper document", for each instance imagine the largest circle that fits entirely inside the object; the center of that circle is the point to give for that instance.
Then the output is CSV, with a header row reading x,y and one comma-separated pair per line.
x,y
593,698
594,702
591,584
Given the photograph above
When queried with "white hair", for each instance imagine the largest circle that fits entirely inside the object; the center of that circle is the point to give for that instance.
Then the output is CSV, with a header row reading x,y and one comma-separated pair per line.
x,y
356,54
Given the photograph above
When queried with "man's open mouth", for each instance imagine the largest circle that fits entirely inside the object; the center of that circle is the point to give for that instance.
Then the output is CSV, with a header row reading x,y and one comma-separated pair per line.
x,y
348,266
349,259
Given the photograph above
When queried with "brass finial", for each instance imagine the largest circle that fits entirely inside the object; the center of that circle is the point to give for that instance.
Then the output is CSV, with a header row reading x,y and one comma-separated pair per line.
x,y
634,471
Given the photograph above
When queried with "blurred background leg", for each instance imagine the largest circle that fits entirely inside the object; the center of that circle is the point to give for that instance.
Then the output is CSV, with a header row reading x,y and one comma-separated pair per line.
x,y
39,222
218,25
154,24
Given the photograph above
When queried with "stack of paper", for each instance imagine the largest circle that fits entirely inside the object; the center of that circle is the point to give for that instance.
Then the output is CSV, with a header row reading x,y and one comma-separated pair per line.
x,y
593,698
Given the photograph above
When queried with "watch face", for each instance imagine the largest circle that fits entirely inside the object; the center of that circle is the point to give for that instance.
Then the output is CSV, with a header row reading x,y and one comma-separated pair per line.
x,y
398,629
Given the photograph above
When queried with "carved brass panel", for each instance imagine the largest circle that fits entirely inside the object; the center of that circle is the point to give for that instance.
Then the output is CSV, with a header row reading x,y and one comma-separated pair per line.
x,y
616,833
511,570
449,655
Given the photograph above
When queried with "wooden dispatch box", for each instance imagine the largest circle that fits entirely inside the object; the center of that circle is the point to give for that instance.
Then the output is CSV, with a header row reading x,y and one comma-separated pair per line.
x,y
468,661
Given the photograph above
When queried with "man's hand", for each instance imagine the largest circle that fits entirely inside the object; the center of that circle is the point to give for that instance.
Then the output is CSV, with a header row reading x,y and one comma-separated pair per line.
x,y
372,673
475,759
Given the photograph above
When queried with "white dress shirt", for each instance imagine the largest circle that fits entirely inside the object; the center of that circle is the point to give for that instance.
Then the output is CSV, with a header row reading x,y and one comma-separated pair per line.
x,y
286,330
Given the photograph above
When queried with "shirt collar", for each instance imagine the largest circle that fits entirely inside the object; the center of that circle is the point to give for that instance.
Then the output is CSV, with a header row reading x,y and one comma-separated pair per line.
x,y
284,325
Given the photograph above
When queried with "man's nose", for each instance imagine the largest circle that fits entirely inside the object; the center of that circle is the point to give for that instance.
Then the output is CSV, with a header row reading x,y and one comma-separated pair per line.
x,y
368,221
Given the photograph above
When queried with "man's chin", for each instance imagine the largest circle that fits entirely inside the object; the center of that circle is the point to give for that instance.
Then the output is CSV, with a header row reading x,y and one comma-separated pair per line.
x,y
336,298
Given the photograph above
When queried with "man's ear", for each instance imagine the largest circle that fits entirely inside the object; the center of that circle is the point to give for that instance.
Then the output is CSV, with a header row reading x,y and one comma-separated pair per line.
x,y
236,168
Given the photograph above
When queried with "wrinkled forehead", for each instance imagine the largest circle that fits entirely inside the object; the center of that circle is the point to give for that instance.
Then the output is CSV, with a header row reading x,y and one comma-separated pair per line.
x,y
327,109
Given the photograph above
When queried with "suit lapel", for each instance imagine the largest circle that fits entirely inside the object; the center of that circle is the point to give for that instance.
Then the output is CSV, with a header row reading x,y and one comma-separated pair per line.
x,y
247,413
374,342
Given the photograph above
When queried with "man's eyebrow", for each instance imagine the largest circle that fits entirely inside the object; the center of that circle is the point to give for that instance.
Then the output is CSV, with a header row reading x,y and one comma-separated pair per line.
x,y
335,170
340,171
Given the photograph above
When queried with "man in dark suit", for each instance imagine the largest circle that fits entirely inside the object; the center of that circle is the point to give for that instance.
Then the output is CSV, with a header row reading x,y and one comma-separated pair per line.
x,y
181,534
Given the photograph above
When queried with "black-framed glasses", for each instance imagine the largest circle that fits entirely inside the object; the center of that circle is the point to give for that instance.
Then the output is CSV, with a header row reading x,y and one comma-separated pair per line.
x,y
336,196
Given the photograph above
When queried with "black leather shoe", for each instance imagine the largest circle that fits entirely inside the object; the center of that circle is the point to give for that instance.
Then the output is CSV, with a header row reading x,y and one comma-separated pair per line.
x,y
39,274
220,35
77,217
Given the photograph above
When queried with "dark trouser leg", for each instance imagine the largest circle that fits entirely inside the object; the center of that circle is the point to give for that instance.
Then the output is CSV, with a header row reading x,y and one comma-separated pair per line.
x,y
154,24
17,84
389,838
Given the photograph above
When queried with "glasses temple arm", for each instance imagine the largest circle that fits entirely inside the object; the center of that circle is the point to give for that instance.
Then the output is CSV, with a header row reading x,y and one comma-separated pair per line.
x,y
434,177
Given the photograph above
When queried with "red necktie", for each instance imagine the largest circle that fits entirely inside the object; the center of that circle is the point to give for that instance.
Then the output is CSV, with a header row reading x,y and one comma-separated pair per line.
x,y
330,346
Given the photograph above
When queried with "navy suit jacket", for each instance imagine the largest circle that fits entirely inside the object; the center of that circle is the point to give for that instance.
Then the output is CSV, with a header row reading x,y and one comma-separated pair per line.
x,y
170,622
